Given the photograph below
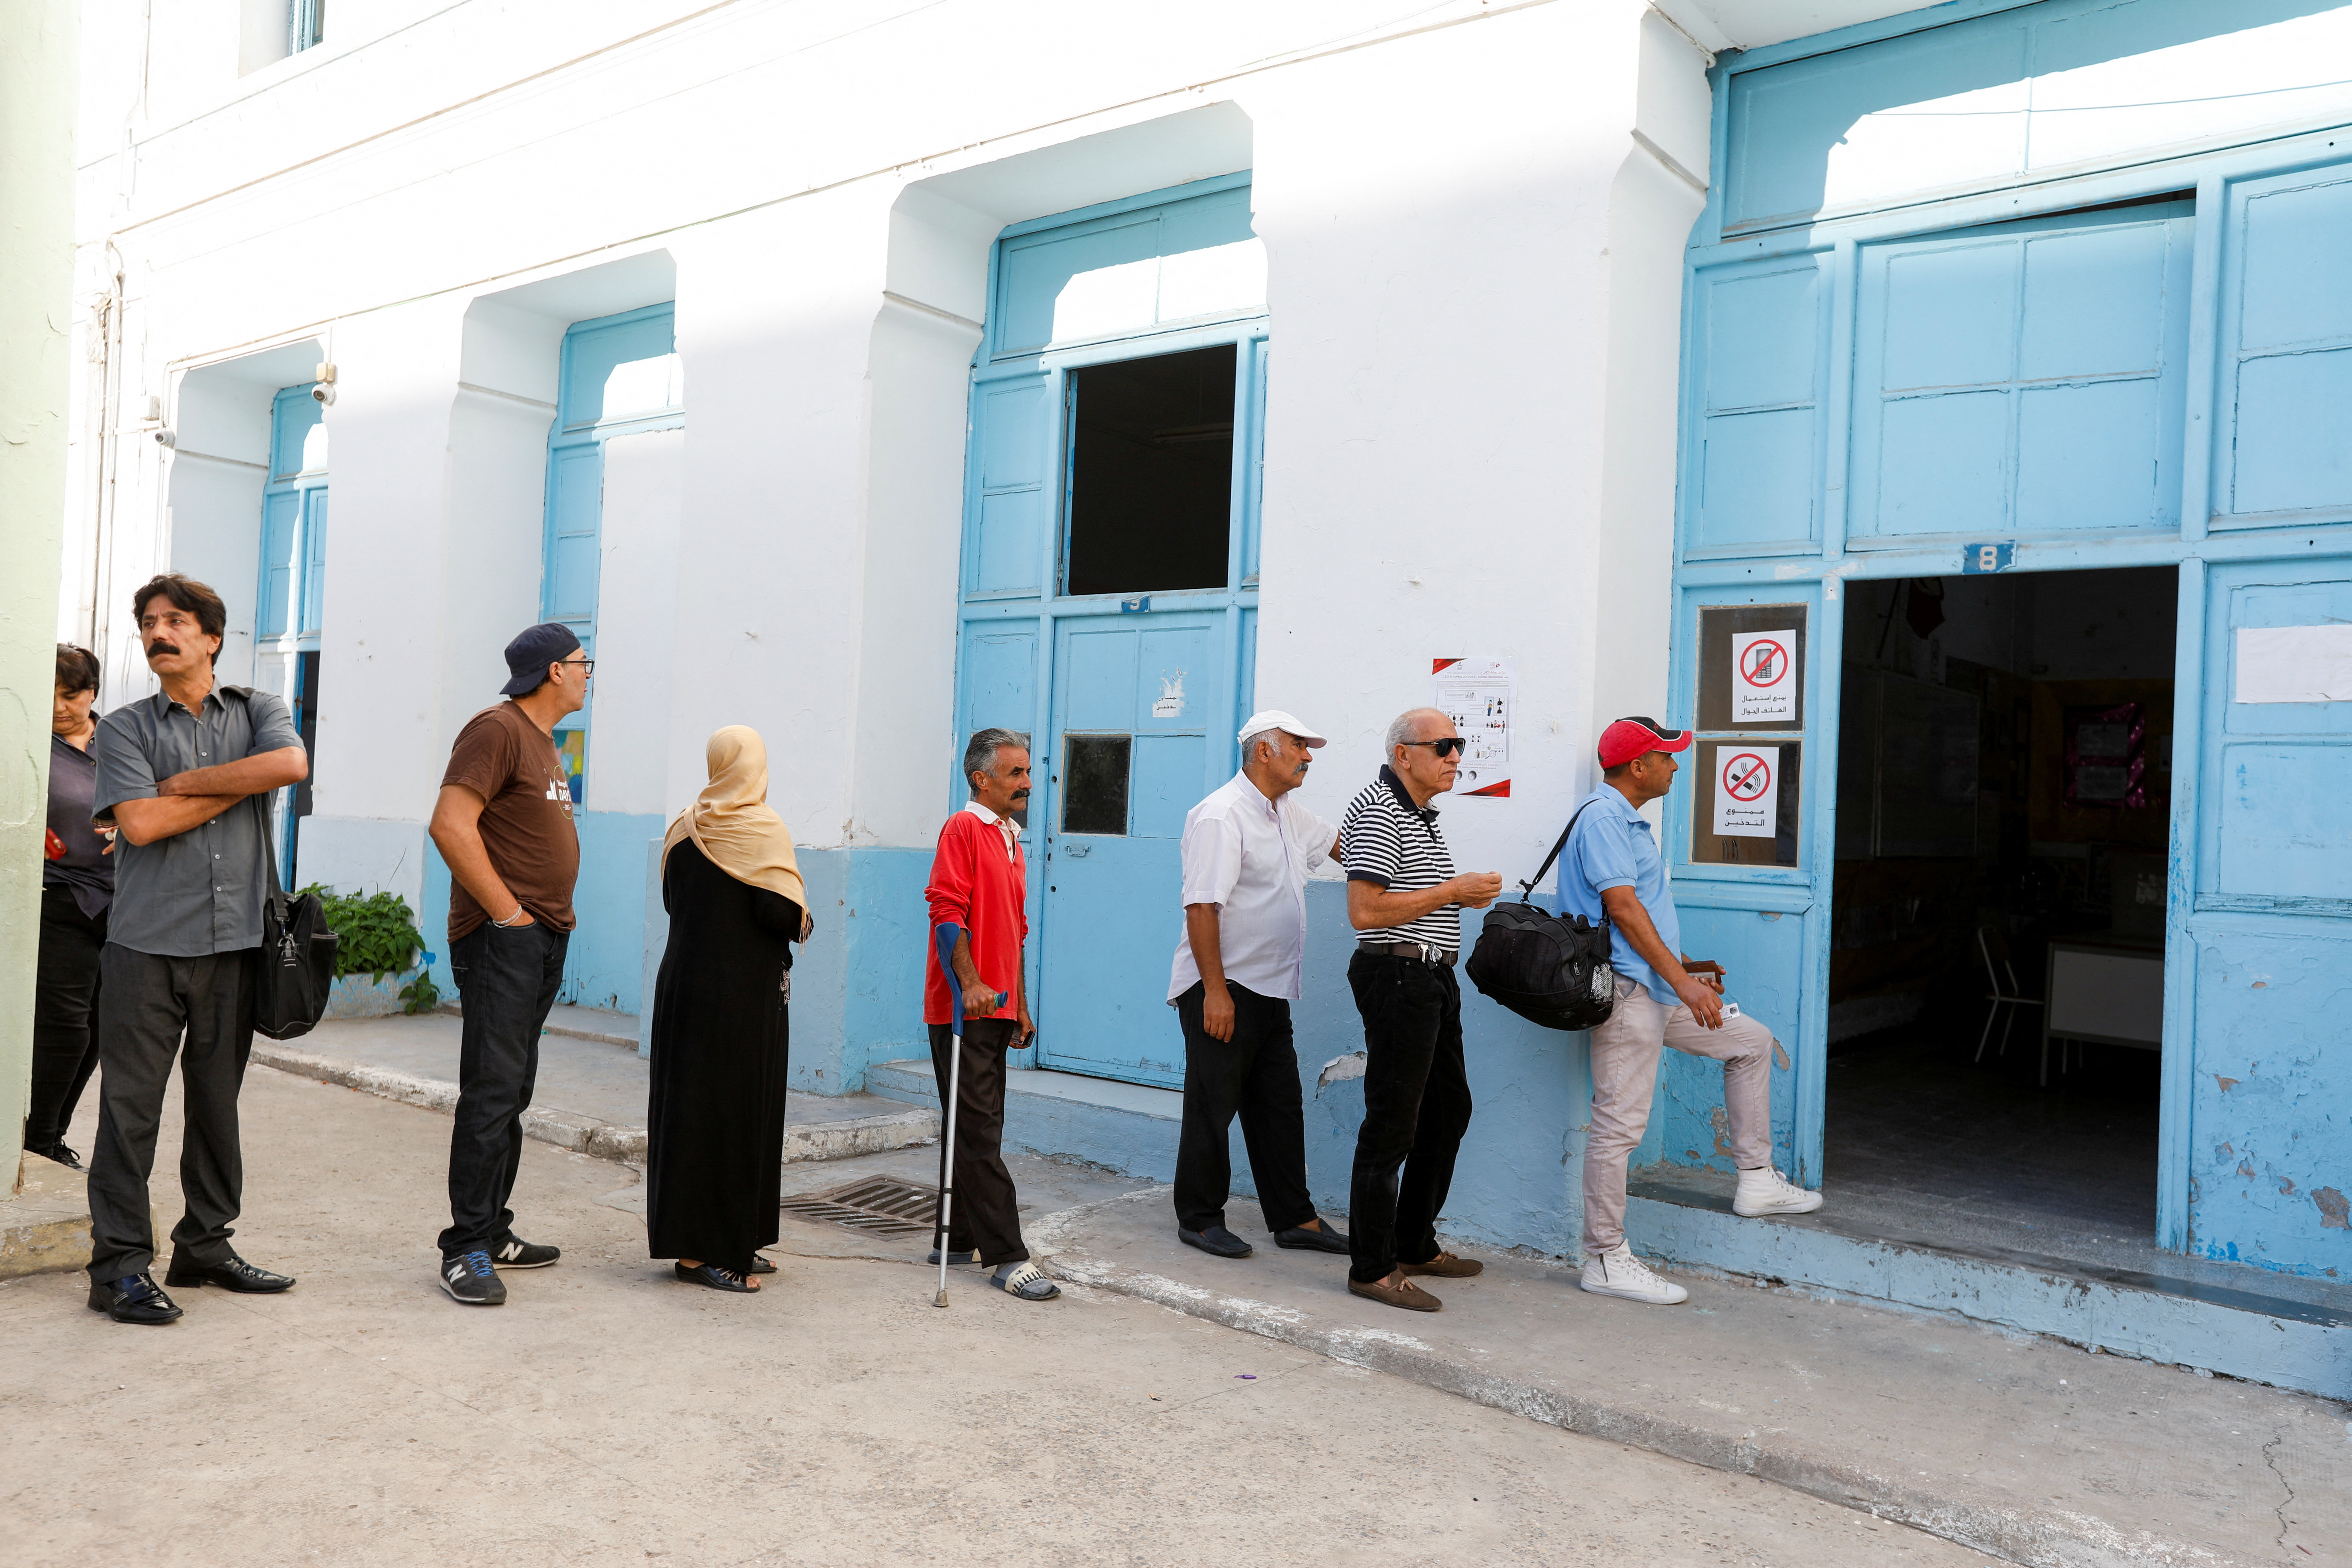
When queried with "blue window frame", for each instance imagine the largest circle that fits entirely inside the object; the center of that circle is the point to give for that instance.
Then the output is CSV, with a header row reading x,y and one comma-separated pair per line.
x,y
619,376
306,24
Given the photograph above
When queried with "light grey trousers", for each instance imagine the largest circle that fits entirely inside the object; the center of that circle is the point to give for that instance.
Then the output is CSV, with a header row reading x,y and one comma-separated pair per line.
x,y
1625,1054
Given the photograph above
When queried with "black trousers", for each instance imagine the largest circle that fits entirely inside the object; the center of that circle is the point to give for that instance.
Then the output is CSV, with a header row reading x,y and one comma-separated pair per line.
x,y
65,1016
507,981
145,1004
1416,1109
986,1214
1253,1075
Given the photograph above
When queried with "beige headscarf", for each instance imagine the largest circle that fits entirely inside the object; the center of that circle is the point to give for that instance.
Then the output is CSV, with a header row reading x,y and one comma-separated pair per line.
x,y
731,822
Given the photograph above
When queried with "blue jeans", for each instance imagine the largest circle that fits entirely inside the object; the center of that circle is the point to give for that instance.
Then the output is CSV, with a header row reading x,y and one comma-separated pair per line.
x,y
507,982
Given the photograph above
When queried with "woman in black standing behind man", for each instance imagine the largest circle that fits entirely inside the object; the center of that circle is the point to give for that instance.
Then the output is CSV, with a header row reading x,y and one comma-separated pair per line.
x,y
76,890
715,1145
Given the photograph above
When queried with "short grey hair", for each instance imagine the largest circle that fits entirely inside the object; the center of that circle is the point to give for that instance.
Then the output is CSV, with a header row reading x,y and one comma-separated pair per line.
x,y
980,752
1252,741
1402,727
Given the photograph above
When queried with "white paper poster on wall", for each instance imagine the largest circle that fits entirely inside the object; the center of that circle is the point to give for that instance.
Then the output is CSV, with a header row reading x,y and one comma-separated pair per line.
x,y
1763,678
1746,791
1480,695
2295,663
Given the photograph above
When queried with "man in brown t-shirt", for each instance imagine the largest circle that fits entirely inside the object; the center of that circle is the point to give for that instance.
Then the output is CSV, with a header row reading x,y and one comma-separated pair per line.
x,y
504,825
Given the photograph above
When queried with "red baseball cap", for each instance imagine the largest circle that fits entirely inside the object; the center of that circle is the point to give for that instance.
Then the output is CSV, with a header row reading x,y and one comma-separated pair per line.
x,y
1636,736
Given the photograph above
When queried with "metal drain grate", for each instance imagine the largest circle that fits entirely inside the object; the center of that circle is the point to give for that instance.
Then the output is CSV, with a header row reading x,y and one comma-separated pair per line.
x,y
879,1206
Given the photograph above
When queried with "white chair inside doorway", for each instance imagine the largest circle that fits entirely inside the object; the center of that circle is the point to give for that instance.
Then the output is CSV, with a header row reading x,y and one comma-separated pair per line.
x,y
2001,991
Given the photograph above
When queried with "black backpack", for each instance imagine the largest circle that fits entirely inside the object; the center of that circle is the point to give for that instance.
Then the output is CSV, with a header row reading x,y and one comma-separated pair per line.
x,y
1549,969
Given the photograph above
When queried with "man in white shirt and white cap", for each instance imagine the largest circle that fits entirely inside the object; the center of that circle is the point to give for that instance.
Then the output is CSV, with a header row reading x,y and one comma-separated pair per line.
x,y
1247,850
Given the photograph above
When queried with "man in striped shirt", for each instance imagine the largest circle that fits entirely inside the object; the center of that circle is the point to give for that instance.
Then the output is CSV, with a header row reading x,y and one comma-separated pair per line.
x,y
1405,902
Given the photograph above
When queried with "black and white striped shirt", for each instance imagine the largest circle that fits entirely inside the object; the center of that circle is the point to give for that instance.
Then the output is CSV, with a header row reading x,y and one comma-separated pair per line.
x,y
1387,840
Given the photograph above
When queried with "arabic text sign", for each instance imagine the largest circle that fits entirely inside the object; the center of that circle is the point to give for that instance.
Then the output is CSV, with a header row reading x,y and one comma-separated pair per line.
x,y
1746,791
1763,678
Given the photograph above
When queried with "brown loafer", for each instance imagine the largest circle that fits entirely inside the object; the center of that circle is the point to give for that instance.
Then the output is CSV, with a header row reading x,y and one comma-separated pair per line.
x,y
1445,1266
1409,1295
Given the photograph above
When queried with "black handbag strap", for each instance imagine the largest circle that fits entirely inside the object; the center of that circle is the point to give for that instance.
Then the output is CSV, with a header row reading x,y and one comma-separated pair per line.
x,y
1529,887
276,894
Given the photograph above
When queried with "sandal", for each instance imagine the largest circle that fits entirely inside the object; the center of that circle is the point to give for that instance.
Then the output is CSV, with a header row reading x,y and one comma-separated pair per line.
x,y
713,1276
760,1266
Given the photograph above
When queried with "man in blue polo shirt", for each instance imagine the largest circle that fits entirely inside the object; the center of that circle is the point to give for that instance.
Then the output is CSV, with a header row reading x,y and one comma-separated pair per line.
x,y
1665,997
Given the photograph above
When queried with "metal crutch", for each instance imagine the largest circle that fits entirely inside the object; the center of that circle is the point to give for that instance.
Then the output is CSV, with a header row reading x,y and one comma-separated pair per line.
x,y
943,944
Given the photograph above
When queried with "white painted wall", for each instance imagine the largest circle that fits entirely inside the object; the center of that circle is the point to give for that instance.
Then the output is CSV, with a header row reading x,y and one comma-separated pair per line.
x,y
1472,269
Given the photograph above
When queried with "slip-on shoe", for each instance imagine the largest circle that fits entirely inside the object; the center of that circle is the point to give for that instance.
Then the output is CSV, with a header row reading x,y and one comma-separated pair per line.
x,y
1216,1241
1325,1239
1445,1266
952,1257
132,1299
1406,1294
236,1275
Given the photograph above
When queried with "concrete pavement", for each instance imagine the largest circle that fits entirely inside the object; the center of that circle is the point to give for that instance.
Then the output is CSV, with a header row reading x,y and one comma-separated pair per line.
x,y
2015,1444
609,1414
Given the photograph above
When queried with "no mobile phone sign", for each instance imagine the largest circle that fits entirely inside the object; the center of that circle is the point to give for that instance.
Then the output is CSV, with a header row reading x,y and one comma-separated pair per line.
x,y
1764,677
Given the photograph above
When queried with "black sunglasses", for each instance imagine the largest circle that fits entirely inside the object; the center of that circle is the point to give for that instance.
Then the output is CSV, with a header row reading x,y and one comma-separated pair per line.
x,y
1444,748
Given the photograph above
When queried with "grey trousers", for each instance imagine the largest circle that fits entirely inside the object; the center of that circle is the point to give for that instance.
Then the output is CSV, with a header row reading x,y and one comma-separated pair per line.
x,y
145,1004
1625,1055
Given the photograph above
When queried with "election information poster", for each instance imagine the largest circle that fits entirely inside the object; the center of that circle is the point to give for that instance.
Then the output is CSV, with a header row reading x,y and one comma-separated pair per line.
x,y
1746,791
1763,678
1481,696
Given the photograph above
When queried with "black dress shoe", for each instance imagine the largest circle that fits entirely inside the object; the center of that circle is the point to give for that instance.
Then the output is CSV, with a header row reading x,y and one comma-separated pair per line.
x,y
236,1275
1216,1241
132,1299
1325,1239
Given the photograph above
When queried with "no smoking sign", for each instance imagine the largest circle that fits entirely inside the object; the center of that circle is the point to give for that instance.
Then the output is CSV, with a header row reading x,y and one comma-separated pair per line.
x,y
1746,791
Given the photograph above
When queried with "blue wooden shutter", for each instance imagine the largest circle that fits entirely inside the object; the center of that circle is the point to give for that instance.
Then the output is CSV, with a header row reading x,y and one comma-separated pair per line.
x,y
281,545
2283,441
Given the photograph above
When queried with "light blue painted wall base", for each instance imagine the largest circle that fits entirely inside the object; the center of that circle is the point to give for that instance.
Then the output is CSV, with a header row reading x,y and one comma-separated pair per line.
x,y
857,984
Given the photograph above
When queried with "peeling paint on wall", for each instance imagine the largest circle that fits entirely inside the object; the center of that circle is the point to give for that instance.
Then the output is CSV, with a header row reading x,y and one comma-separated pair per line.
x,y
2335,1214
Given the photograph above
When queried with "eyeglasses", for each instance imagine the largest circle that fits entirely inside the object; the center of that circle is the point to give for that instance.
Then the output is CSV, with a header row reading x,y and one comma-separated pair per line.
x,y
1444,748
586,667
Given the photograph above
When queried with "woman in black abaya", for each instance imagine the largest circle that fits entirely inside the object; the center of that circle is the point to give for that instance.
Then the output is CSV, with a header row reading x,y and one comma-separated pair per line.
x,y
715,1145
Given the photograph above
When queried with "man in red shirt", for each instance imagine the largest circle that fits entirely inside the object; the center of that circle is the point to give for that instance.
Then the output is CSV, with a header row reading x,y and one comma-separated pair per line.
x,y
980,883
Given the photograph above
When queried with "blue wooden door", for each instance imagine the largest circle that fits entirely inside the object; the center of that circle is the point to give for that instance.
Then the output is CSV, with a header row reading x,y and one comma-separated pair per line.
x,y
2257,1099
1745,838
1137,740
1115,629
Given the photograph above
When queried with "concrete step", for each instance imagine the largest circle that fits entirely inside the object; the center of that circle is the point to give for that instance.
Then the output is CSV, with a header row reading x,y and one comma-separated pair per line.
x,y
1128,1128
2217,1317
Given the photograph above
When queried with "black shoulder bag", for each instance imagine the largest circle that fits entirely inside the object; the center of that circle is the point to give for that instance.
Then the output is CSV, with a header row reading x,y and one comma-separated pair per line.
x,y
1549,969
297,964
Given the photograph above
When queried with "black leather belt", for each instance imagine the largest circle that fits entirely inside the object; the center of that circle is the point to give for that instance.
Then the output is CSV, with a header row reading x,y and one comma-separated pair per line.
x,y
1421,951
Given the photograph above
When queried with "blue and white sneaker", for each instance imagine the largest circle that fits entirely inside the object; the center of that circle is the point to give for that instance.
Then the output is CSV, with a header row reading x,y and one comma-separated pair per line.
x,y
472,1281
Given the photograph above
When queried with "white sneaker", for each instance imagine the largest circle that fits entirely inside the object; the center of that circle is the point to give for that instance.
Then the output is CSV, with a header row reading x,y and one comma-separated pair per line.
x,y
1764,1191
1617,1272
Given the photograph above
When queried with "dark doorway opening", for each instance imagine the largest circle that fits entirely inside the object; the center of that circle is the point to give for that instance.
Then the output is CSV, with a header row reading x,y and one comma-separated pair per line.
x,y
306,725
2004,794
1152,473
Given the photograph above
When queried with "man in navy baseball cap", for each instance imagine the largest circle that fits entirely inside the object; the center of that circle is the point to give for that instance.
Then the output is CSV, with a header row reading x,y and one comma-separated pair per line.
x,y
533,649
505,827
